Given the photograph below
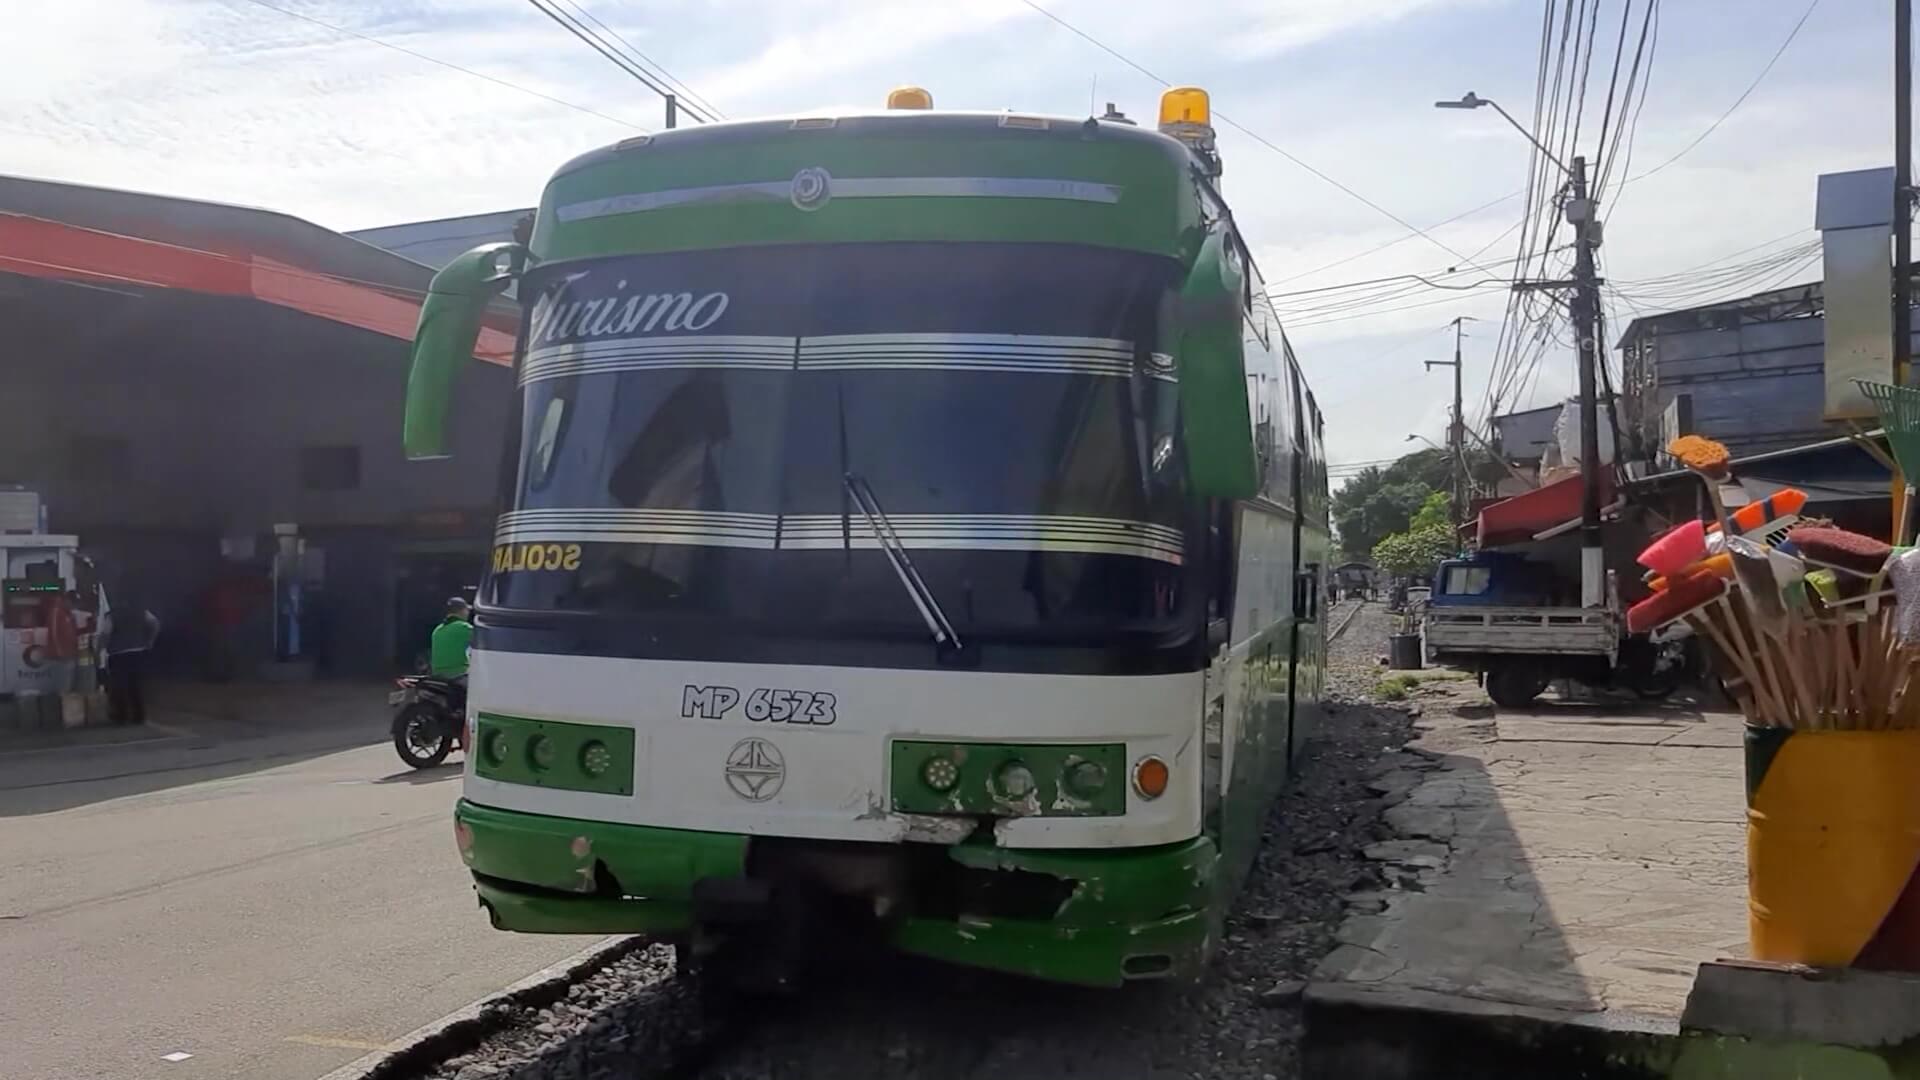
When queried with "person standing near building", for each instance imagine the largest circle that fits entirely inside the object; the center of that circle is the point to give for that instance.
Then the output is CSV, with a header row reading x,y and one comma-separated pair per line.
x,y
131,631
63,640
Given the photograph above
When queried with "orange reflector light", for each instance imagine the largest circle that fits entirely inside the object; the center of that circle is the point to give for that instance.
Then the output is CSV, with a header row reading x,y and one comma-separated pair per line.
x,y
1150,776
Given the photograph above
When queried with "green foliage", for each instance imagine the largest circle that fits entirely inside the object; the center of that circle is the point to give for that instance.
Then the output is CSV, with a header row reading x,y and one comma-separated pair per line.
x,y
1377,503
1436,511
1415,553
1394,687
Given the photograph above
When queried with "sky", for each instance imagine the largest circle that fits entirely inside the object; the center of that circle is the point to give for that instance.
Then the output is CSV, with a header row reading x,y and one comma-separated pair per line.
x,y
232,100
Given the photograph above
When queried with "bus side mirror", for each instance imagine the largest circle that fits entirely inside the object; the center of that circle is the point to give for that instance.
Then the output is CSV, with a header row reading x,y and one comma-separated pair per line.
x,y
1221,463
444,340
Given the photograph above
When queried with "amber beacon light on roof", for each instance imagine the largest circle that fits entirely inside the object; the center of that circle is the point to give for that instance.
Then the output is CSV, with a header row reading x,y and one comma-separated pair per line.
x,y
1186,113
909,97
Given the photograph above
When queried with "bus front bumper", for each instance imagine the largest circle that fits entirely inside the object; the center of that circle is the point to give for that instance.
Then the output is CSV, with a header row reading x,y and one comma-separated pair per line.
x,y
1104,917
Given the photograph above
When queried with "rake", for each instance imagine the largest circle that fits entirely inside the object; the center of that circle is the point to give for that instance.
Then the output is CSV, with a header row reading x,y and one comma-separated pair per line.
x,y
1899,409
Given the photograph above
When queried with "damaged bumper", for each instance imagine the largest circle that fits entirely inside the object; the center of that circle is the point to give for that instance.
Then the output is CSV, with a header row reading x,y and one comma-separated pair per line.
x,y
1129,914
1099,918
549,875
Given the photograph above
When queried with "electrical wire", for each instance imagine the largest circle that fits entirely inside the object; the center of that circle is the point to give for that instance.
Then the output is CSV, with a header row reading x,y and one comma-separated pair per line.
x,y
1613,79
1645,49
1690,273
1691,289
687,93
1546,93
1376,249
1382,290
370,39
1737,102
1583,59
600,45
1254,135
1506,341
1304,324
1306,304
1411,338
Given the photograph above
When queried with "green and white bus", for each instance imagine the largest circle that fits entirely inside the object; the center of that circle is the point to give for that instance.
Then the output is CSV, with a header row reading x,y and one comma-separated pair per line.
x,y
917,515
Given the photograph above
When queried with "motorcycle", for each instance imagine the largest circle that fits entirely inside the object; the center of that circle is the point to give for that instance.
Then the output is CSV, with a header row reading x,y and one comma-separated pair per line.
x,y
429,720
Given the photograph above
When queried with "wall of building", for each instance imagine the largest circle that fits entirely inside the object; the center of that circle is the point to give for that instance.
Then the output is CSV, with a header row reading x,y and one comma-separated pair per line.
x,y
1755,378
157,425
1755,387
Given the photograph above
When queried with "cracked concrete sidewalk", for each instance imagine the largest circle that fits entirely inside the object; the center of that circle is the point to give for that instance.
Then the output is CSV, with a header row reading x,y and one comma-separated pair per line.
x,y
1567,864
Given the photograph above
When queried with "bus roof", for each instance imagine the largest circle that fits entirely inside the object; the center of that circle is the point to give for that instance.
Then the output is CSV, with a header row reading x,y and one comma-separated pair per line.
x,y
904,175
884,123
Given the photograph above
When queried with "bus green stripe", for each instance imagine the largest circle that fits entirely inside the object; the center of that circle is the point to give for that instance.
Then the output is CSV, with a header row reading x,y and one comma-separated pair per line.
x,y
1157,211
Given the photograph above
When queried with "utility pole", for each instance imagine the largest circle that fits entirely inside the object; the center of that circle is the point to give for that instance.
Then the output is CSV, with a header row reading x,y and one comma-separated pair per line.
x,y
1902,190
1586,308
673,111
1457,431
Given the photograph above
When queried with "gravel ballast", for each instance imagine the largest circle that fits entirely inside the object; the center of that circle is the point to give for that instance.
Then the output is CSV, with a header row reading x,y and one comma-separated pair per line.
x,y
882,1015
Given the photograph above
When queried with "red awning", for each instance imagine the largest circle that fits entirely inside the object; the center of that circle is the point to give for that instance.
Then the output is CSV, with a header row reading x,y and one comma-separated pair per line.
x,y
1519,519
39,248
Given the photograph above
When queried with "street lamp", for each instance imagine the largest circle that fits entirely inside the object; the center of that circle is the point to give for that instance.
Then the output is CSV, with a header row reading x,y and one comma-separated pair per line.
x,y
1470,100
1428,441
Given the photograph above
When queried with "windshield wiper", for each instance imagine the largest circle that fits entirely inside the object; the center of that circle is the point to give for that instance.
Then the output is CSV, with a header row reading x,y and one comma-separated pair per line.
x,y
930,613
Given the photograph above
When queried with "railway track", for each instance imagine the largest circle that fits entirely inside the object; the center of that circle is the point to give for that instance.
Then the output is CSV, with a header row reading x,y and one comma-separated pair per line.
x,y
1346,620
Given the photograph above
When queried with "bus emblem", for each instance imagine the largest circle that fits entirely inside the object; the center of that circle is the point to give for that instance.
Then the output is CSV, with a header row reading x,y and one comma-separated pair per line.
x,y
812,187
755,770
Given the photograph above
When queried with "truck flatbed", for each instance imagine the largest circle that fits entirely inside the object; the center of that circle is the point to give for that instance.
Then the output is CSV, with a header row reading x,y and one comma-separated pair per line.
x,y
1527,630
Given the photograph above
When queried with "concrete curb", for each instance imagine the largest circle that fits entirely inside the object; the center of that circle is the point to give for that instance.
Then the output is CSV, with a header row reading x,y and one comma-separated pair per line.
x,y
466,1027
1353,1031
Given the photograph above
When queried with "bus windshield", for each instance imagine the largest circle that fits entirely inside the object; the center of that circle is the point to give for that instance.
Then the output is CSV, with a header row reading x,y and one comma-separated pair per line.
x,y
690,423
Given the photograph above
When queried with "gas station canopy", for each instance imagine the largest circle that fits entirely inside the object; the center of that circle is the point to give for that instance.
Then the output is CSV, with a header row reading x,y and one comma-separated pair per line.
x,y
83,235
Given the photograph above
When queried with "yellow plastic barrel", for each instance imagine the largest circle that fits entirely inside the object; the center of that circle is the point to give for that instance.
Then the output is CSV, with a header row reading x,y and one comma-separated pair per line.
x,y
1833,842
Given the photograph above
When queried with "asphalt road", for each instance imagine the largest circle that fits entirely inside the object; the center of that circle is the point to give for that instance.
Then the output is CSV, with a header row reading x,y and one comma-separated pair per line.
x,y
274,908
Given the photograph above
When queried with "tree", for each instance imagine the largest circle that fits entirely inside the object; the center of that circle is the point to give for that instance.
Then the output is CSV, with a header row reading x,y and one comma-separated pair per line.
x,y
1435,511
1415,553
1378,502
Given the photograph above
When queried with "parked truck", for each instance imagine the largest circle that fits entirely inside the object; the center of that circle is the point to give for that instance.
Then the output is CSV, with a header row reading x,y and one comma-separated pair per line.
x,y
1516,622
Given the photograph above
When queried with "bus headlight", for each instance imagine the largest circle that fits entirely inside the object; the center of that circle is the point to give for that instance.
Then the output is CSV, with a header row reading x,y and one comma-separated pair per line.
x,y
940,774
496,748
540,752
1015,780
595,758
1083,779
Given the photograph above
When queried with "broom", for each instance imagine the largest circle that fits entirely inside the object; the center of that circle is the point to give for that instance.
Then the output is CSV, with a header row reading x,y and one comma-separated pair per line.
x,y
1792,655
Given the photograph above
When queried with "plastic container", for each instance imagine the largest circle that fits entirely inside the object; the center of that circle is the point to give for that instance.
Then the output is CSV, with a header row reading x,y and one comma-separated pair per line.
x,y
1833,844
1404,652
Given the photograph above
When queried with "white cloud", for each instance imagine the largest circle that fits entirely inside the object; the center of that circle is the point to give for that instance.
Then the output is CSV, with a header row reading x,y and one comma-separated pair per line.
x,y
811,43
1264,28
